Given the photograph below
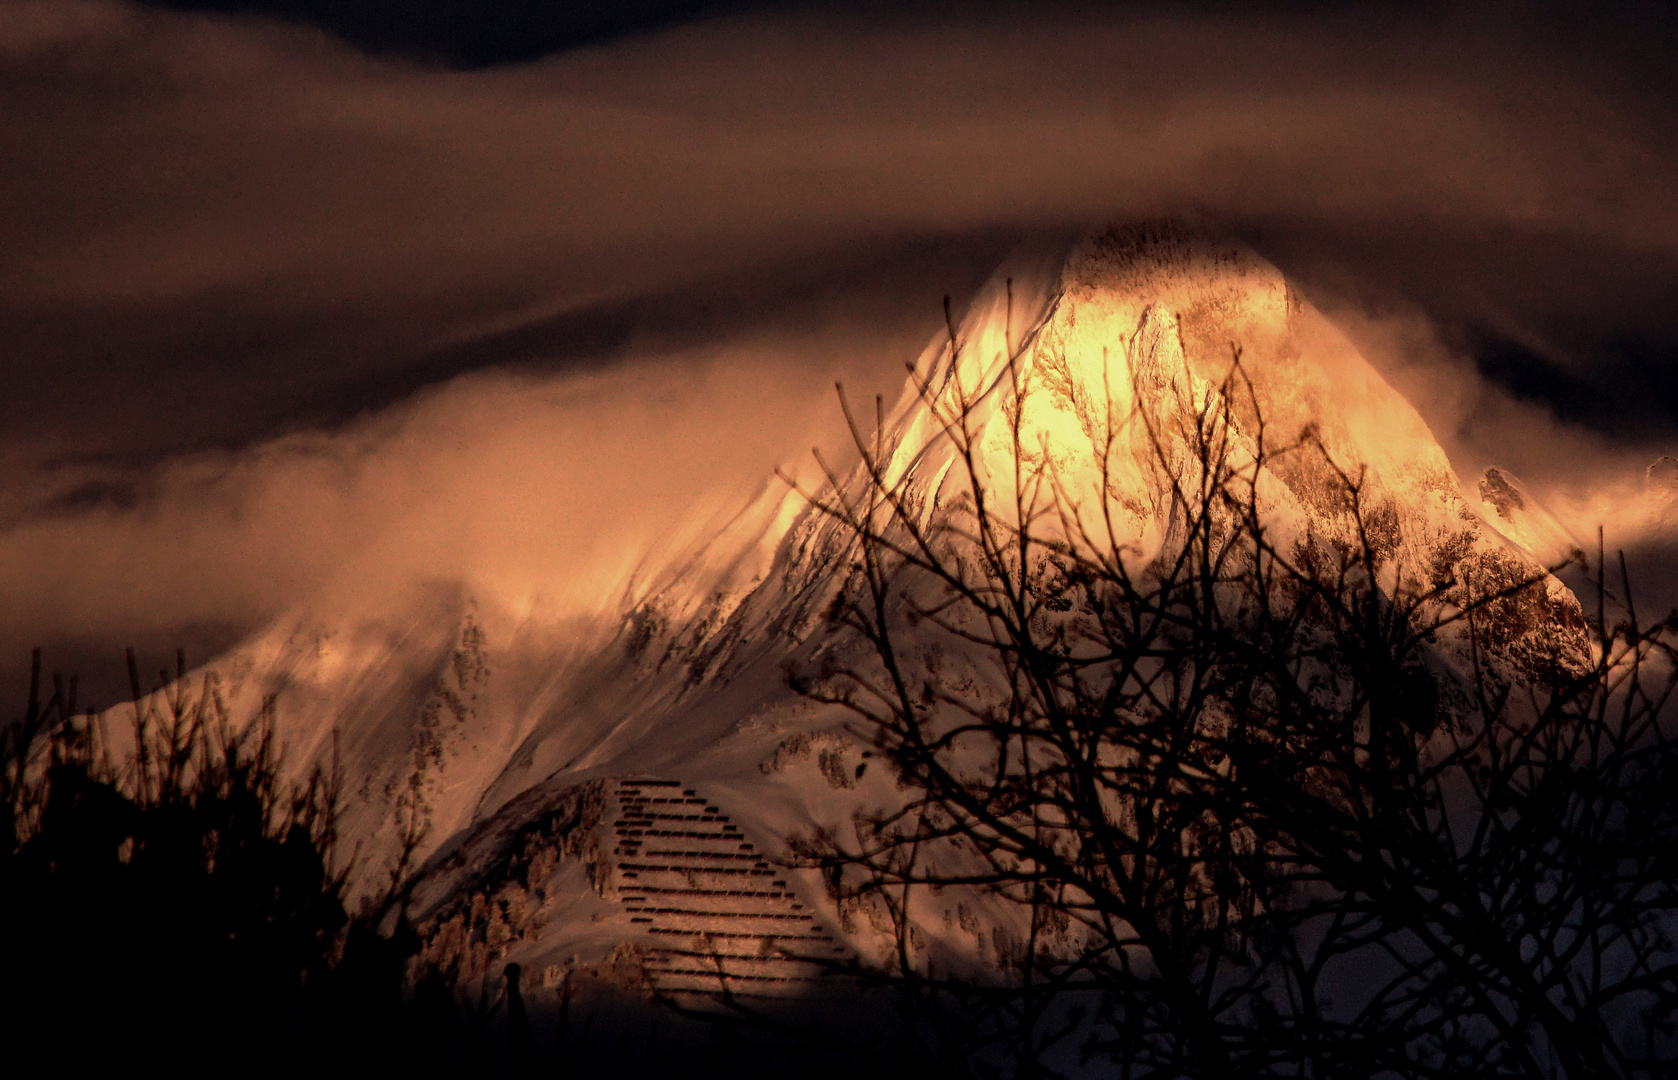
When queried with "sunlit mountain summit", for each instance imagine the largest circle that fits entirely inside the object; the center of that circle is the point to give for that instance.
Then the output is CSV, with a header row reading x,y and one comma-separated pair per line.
x,y
620,790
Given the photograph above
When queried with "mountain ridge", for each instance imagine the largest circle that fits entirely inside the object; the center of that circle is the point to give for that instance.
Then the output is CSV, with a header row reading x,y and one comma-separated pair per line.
x,y
464,723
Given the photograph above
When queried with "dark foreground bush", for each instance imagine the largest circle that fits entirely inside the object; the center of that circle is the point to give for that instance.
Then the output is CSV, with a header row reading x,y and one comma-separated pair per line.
x,y
169,899
171,902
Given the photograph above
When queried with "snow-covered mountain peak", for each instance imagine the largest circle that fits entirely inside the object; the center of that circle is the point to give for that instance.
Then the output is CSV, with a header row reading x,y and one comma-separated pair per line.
x,y
1088,384
1146,332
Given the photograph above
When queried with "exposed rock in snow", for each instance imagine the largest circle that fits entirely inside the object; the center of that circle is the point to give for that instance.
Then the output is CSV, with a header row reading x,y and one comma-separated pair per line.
x,y
1661,480
1501,494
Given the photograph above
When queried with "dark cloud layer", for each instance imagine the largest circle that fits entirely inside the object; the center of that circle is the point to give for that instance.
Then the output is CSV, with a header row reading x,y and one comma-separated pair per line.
x,y
220,236
472,33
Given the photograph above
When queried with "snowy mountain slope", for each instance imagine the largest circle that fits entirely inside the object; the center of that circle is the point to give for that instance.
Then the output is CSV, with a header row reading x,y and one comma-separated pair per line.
x,y
1518,515
497,736
1636,520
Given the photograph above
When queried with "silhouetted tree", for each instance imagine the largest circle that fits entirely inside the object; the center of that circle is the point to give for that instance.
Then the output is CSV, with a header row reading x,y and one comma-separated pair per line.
x,y
1248,803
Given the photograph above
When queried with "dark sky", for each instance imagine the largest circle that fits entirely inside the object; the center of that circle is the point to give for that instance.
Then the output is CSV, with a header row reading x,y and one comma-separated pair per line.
x,y
280,281
475,33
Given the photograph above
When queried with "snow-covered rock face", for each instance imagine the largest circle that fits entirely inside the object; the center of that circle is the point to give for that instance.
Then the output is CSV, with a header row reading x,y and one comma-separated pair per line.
x,y
478,721
1153,307
1148,336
